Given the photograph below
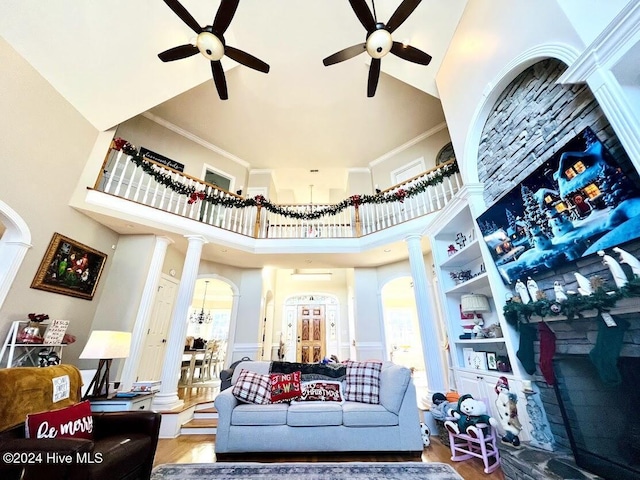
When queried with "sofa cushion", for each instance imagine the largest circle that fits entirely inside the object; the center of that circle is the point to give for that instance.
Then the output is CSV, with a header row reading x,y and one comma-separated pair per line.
x,y
252,414
75,421
363,382
356,414
252,388
285,387
314,414
394,380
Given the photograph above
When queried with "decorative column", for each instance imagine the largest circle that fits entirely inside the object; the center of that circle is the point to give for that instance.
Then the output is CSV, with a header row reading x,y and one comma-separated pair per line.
x,y
427,317
167,397
139,334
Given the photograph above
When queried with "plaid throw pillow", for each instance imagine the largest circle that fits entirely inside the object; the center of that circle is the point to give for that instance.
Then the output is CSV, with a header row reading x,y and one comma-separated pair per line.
x,y
363,382
252,387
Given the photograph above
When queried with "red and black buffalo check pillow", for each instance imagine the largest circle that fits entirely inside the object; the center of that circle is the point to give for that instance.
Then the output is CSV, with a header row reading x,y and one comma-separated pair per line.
x,y
363,382
252,387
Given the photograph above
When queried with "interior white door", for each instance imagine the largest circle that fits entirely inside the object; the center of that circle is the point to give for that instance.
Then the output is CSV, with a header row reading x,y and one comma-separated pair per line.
x,y
156,341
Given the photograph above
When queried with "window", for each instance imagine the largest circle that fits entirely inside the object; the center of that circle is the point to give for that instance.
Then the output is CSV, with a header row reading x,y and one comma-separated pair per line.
x,y
445,154
215,178
592,190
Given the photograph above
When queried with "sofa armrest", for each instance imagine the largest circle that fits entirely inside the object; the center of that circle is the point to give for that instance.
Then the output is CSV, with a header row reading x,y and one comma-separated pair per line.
x,y
225,402
106,424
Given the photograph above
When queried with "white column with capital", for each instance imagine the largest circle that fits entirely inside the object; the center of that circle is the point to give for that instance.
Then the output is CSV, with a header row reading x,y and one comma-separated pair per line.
x,y
167,397
427,317
141,325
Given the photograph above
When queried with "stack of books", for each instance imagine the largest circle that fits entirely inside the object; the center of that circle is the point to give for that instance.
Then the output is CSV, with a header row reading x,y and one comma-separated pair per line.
x,y
147,386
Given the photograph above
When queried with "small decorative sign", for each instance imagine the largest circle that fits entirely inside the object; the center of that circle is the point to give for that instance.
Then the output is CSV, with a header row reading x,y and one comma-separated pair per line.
x,y
55,332
161,159
61,388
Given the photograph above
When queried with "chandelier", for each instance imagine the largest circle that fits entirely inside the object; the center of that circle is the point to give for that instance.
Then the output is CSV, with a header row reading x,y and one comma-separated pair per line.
x,y
202,317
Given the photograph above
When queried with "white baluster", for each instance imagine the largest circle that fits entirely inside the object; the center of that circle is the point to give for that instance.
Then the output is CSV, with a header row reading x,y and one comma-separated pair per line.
x,y
112,172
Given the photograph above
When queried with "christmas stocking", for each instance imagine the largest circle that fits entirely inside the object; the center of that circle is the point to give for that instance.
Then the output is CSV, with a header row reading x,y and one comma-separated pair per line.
x,y
525,350
607,350
547,350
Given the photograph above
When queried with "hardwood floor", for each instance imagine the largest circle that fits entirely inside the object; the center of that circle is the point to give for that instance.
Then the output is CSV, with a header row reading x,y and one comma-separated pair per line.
x,y
200,449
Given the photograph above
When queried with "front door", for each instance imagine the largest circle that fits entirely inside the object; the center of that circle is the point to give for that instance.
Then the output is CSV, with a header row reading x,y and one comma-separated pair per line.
x,y
311,334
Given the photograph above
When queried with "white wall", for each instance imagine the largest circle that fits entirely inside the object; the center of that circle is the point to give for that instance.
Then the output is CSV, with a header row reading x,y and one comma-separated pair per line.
x,y
44,145
141,131
368,314
489,36
425,149
590,17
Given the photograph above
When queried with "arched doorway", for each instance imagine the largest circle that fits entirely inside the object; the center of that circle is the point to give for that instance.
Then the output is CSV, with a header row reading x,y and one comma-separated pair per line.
x,y
15,240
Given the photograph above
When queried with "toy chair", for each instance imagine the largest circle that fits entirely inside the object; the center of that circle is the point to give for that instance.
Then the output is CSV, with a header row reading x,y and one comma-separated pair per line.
x,y
481,443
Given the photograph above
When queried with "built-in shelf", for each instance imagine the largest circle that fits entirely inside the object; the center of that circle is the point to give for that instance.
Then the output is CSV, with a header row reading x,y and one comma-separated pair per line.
x,y
479,340
471,286
477,371
464,256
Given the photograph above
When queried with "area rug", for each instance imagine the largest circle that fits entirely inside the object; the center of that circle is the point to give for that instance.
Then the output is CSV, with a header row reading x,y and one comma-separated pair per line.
x,y
305,471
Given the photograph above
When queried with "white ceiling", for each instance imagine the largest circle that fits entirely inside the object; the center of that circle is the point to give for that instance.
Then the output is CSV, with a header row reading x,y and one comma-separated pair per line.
x,y
102,57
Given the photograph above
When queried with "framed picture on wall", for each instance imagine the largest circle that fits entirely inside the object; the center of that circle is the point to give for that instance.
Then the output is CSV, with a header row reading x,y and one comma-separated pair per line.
x,y
69,268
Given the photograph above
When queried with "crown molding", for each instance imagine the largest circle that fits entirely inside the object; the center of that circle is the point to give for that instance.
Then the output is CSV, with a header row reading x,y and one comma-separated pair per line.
x,y
261,171
408,144
194,138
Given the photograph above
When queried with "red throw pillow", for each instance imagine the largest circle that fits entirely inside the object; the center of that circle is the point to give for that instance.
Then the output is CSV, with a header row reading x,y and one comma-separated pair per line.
x,y
285,387
75,421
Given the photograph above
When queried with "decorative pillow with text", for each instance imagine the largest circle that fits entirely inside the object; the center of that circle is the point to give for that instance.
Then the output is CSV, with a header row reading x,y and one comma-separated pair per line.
x,y
252,387
322,391
75,421
285,387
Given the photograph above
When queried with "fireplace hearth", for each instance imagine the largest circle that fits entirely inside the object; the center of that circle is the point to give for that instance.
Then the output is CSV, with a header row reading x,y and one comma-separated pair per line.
x,y
602,421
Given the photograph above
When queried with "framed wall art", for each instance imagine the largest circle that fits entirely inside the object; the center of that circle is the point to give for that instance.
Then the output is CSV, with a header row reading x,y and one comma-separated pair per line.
x,y
69,268
492,363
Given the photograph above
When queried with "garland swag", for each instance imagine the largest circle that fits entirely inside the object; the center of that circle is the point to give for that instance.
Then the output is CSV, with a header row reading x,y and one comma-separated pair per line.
x,y
602,300
194,195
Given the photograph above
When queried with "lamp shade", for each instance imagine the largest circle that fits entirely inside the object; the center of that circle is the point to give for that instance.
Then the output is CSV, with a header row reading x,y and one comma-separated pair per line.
x,y
474,303
107,344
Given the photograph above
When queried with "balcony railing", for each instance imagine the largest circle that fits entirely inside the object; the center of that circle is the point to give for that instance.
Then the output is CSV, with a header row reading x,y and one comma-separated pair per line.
x,y
125,174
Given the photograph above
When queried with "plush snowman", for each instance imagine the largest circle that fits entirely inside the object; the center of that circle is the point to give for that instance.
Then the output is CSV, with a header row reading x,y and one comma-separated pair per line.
x,y
424,430
508,412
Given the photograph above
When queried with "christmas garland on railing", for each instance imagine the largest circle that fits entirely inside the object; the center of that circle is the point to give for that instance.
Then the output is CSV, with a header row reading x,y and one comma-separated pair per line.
x,y
194,195
602,299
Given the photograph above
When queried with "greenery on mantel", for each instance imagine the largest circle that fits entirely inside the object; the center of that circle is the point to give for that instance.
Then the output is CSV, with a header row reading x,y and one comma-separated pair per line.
x,y
602,299
163,178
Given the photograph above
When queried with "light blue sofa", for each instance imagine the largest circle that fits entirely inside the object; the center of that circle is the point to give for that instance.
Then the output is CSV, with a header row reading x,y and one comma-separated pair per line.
x,y
392,426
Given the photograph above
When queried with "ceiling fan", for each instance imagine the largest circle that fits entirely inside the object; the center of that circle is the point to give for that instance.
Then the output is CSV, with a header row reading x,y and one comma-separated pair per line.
x,y
379,41
210,43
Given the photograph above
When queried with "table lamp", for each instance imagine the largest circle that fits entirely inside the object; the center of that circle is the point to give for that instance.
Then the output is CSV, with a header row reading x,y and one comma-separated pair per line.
x,y
475,303
104,345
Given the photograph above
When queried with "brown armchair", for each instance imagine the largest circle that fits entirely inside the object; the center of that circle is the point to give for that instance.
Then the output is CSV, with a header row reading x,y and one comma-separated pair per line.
x,y
123,445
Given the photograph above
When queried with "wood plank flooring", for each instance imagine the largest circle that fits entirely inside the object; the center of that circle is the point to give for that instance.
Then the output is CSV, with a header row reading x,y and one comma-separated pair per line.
x,y
200,449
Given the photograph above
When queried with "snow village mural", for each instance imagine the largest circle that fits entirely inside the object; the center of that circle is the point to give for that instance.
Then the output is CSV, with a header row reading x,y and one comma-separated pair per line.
x,y
576,203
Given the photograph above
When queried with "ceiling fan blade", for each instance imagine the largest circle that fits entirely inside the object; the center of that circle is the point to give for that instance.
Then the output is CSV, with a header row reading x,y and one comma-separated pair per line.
x,y
364,14
225,14
403,11
374,75
246,59
345,54
219,79
185,16
177,53
407,52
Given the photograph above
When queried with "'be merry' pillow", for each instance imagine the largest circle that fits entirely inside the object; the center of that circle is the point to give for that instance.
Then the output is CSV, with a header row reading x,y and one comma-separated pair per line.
x,y
75,421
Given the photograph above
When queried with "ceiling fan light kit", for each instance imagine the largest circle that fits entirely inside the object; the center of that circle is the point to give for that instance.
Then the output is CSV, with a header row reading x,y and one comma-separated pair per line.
x,y
211,44
379,42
